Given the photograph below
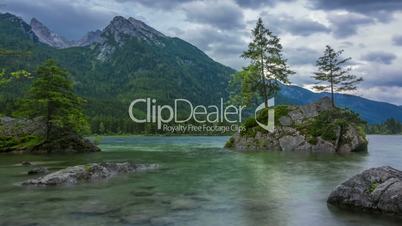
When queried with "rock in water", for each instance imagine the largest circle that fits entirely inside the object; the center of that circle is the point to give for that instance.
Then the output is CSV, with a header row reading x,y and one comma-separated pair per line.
x,y
376,189
89,173
316,127
38,170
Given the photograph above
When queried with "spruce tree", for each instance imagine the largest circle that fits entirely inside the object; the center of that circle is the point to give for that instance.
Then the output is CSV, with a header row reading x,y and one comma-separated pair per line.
x,y
333,70
267,62
52,98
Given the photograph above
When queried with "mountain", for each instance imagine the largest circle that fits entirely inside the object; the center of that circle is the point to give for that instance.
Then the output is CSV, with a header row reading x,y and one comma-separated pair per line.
x,y
47,36
90,38
126,60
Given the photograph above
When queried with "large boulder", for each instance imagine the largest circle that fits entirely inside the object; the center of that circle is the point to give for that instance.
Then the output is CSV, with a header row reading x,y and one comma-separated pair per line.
x,y
376,189
28,136
88,173
316,127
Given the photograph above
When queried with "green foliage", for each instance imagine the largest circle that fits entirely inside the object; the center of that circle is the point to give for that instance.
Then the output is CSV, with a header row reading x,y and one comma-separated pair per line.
x,y
280,110
327,123
52,97
373,186
332,69
250,124
21,142
390,126
230,143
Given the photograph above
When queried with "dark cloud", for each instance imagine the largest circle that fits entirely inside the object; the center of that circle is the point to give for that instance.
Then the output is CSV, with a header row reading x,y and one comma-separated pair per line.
x,y
397,40
222,15
380,9
225,47
379,57
61,17
295,26
302,56
346,24
259,3
159,4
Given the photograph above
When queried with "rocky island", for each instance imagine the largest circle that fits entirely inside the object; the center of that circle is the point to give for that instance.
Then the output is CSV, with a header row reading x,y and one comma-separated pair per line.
x,y
317,127
28,136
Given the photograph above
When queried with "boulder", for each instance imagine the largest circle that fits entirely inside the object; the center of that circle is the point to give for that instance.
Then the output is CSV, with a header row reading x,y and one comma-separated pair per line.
x,y
89,173
376,189
316,127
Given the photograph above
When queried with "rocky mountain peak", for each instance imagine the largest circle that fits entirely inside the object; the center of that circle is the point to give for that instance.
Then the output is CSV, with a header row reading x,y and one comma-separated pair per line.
x,y
90,38
19,22
121,27
46,36
120,30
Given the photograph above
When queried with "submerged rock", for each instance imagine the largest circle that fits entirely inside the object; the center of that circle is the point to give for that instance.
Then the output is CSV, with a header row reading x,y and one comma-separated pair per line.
x,y
316,127
376,189
38,170
89,173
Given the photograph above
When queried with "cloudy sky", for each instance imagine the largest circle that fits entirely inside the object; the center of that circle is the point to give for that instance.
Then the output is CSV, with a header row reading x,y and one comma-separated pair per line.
x,y
370,31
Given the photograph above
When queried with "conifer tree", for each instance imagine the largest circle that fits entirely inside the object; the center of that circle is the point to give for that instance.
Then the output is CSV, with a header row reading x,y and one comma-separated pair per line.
x,y
268,66
52,97
332,69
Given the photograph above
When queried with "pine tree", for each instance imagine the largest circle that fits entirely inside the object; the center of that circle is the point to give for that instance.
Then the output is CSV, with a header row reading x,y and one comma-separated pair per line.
x,y
101,128
52,97
267,62
332,69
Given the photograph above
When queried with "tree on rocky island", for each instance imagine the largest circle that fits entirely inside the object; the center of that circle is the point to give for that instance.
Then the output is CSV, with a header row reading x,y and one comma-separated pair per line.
x,y
333,70
52,97
268,67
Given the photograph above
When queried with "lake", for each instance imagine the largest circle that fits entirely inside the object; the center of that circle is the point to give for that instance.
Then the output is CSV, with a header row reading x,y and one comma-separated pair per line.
x,y
199,183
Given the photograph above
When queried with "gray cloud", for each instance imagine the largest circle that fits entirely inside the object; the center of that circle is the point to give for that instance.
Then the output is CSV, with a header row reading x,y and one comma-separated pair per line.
x,y
379,9
397,40
222,15
379,57
259,3
158,4
287,24
346,24
301,56
225,47
62,17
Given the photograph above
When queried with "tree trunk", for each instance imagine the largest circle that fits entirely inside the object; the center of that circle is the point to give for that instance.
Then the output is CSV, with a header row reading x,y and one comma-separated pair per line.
x,y
263,80
48,124
332,90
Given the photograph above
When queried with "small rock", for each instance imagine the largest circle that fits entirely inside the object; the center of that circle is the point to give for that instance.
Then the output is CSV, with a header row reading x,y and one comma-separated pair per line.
x,y
183,204
38,170
26,163
162,221
285,121
142,193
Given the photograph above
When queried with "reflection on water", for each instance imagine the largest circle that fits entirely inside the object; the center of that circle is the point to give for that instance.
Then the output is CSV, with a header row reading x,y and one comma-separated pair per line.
x,y
200,183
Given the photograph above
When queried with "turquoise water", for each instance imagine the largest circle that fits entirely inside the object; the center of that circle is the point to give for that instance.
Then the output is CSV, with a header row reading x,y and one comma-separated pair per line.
x,y
200,183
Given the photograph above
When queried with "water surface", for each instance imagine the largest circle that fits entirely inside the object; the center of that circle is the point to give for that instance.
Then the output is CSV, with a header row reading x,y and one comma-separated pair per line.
x,y
200,183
